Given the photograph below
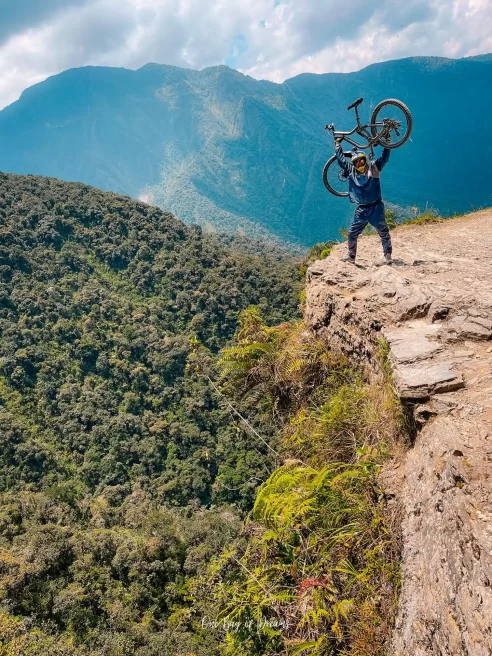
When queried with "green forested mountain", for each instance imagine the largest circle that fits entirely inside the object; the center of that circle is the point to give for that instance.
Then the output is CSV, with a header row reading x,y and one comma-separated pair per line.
x,y
228,151
121,470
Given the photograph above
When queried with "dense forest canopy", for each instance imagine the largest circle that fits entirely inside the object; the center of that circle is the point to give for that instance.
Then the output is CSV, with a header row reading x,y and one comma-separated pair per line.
x,y
121,470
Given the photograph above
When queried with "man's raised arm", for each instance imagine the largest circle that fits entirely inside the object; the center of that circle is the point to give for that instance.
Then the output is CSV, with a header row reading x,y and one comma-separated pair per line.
x,y
382,160
342,162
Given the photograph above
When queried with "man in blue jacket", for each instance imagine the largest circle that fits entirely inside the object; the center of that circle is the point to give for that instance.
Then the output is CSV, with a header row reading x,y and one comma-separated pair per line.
x,y
365,190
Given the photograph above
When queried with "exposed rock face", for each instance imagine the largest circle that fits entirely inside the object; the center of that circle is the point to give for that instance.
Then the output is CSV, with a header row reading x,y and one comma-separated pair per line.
x,y
434,309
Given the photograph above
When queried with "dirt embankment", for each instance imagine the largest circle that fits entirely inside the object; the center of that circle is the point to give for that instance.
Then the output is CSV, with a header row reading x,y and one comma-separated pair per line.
x,y
434,308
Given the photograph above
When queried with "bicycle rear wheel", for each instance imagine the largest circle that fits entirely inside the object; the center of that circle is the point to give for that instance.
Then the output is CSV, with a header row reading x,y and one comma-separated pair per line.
x,y
334,178
392,111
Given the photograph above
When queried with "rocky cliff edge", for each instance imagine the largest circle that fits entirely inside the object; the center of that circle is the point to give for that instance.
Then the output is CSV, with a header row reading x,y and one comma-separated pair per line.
x,y
433,309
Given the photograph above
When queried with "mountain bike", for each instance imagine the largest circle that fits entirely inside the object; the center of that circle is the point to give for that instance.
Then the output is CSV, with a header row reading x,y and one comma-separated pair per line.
x,y
390,126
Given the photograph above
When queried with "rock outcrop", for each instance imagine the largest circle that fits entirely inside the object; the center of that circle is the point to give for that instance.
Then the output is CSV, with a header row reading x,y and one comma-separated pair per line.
x,y
433,309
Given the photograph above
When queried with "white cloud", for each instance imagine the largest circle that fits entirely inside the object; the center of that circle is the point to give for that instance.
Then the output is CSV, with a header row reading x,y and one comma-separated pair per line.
x,y
277,39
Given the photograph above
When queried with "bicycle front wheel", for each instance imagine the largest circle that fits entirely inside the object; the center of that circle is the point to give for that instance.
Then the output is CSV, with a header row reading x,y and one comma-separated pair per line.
x,y
334,179
392,113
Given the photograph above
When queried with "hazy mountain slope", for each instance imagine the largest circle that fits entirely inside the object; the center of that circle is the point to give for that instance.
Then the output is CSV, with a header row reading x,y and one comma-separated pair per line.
x,y
97,125
219,143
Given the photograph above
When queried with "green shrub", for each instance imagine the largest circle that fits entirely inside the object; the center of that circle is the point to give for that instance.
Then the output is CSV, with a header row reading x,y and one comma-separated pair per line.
x,y
316,570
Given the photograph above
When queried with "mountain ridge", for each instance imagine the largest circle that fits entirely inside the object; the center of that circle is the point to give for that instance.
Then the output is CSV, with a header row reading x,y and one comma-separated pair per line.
x,y
234,153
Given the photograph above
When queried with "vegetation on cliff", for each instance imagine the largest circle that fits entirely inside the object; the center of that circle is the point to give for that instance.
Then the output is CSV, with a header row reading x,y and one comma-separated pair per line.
x,y
315,570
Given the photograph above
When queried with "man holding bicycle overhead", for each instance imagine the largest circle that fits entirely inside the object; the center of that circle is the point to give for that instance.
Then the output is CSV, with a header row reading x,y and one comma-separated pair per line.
x,y
365,191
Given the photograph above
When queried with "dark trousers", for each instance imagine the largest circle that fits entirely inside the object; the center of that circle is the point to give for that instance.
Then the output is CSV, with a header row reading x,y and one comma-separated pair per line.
x,y
373,214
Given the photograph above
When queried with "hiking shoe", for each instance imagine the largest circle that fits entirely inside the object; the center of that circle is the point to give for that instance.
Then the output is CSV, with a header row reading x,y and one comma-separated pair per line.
x,y
348,258
388,259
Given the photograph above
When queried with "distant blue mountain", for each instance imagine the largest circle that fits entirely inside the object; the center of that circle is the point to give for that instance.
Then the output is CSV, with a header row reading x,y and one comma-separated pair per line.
x,y
230,152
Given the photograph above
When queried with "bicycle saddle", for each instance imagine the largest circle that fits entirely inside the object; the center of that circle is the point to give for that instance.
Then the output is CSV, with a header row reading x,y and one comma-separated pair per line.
x,y
356,103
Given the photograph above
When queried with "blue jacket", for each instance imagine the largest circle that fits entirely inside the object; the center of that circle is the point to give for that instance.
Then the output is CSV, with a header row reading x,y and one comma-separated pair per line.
x,y
363,189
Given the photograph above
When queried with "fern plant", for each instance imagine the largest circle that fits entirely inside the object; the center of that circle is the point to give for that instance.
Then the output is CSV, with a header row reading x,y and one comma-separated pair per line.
x,y
319,552
282,365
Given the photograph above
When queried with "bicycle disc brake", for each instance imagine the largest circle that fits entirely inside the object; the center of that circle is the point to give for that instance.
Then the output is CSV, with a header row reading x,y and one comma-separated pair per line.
x,y
392,125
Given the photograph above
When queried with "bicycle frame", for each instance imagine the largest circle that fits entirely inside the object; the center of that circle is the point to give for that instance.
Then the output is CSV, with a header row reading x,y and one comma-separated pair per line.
x,y
361,130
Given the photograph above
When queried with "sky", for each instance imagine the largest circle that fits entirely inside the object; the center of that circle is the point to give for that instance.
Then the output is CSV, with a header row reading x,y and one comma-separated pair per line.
x,y
268,39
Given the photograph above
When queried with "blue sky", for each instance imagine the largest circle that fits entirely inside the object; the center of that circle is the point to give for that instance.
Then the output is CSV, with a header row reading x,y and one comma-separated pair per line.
x,y
271,39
